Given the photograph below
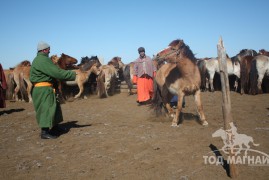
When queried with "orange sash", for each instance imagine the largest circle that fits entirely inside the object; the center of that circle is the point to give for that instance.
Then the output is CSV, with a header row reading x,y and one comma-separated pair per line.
x,y
41,84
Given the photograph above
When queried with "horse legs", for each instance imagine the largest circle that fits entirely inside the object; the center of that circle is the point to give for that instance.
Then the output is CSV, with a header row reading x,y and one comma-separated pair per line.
x,y
260,83
199,105
206,84
211,78
17,81
29,88
81,88
236,84
178,110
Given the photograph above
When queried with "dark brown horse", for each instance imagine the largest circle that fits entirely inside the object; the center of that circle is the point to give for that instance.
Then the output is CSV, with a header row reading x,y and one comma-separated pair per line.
x,y
245,66
179,76
65,62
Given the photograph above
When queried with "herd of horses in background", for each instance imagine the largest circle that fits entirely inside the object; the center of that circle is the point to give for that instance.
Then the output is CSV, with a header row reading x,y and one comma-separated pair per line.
x,y
179,73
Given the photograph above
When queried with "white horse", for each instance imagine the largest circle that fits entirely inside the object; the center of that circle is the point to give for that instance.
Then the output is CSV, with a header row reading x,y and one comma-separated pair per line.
x,y
259,70
212,67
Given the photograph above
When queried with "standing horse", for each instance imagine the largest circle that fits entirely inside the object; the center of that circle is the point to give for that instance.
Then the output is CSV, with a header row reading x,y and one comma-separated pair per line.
x,y
128,73
245,66
107,79
87,67
212,66
179,76
21,73
259,70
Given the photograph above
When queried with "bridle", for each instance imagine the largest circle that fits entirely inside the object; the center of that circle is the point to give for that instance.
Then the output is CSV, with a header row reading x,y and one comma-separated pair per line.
x,y
168,54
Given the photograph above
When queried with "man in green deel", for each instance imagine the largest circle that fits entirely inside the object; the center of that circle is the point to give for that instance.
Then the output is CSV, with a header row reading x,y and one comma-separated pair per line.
x,y
43,74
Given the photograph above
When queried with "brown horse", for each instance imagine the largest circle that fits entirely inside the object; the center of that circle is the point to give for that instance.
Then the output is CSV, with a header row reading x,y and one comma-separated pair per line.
x,y
65,62
106,81
21,73
87,67
179,76
245,66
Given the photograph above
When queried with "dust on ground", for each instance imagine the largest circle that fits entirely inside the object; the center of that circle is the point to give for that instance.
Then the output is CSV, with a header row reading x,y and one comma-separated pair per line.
x,y
113,138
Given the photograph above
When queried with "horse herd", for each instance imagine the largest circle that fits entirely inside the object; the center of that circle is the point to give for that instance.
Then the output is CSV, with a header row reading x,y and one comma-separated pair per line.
x,y
89,72
178,73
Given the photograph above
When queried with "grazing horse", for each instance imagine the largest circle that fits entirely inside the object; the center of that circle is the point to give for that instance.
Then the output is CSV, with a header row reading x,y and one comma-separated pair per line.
x,y
179,76
259,70
21,73
211,66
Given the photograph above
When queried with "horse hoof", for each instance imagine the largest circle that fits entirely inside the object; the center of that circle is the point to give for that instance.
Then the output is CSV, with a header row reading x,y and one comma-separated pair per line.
x,y
174,125
204,123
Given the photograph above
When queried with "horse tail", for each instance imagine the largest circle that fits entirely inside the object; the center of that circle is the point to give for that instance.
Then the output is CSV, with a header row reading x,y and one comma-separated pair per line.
x,y
10,86
127,78
251,139
202,68
253,78
157,99
101,91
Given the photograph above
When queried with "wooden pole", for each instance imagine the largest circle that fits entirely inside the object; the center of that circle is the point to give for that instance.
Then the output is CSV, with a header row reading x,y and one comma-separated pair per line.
x,y
226,103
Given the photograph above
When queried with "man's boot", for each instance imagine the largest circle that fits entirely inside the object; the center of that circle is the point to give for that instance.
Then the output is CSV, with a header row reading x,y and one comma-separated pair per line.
x,y
46,135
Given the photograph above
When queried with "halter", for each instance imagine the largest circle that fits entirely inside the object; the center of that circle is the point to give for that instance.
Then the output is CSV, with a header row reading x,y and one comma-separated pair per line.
x,y
168,54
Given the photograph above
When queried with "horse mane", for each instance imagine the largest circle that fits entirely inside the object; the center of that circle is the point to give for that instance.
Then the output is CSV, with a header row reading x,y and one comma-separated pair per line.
x,y
86,59
184,49
114,62
248,52
24,63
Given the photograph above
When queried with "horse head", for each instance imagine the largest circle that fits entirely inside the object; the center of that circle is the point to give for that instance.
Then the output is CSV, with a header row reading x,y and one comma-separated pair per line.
x,y
263,52
176,51
86,63
116,62
246,52
66,61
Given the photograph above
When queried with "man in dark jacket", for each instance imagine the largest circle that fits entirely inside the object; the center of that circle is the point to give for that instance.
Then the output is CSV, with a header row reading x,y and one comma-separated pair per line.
x,y
43,74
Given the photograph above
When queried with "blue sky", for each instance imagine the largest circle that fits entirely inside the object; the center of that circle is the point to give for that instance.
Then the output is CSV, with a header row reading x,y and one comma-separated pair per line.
x,y
117,28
